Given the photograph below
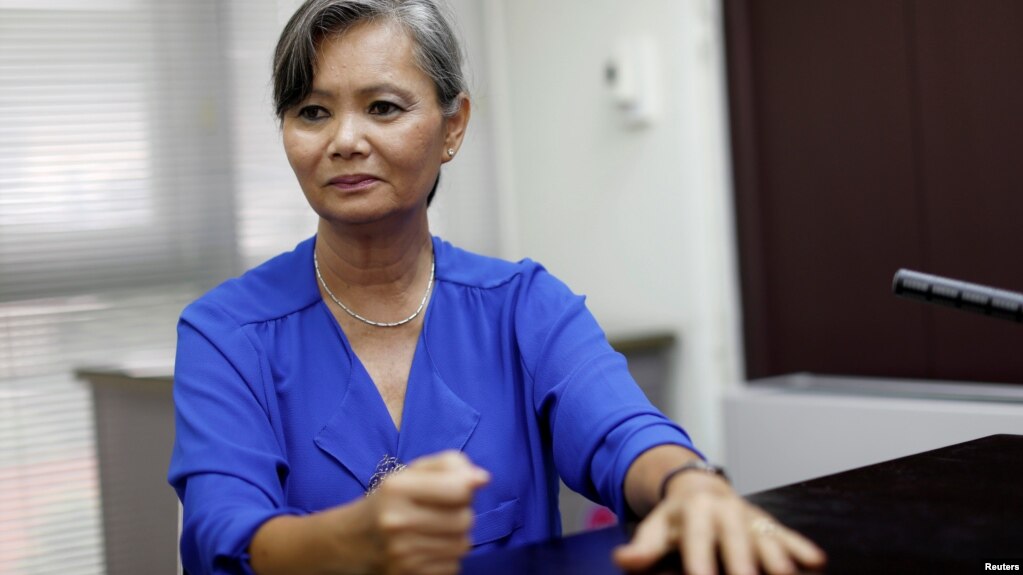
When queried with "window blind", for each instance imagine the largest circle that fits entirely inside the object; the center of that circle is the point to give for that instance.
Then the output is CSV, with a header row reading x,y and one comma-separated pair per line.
x,y
272,214
140,164
117,207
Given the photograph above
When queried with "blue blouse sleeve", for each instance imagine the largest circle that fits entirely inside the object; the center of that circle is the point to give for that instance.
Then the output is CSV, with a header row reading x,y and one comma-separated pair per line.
x,y
600,420
228,465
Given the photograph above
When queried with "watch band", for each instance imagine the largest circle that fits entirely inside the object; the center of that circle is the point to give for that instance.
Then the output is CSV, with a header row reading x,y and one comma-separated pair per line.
x,y
694,465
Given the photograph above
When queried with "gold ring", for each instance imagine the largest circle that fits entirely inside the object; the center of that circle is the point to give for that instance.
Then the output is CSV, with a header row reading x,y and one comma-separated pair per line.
x,y
763,526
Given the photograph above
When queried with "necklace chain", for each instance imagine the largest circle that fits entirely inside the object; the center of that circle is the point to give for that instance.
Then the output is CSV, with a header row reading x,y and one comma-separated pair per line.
x,y
422,304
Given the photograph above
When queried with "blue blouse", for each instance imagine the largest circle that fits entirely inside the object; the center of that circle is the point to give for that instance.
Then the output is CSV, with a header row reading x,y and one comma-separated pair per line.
x,y
276,415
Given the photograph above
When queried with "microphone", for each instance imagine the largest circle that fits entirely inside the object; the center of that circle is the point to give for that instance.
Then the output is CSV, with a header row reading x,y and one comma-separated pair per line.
x,y
959,294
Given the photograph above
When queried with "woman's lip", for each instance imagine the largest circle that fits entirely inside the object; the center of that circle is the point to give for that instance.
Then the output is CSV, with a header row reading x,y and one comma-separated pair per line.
x,y
354,182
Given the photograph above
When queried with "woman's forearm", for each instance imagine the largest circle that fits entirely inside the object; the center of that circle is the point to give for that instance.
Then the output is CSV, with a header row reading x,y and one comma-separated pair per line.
x,y
418,520
340,540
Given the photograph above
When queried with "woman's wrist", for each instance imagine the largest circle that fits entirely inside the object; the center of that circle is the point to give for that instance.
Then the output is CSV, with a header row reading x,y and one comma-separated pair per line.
x,y
645,475
695,466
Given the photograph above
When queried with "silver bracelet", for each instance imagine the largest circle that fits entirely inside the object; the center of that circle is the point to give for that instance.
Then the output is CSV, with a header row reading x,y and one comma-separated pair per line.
x,y
694,465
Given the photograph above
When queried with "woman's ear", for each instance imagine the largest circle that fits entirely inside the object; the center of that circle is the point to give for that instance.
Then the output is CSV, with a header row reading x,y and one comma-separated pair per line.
x,y
455,126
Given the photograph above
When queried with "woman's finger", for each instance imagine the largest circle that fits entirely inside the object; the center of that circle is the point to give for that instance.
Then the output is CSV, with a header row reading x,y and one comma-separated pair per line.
x,y
442,461
418,553
440,521
736,544
450,489
447,479
431,548
450,461
422,565
431,567
804,551
698,542
773,555
651,541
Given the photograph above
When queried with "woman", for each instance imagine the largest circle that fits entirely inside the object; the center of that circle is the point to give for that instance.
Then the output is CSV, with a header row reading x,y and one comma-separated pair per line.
x,y
378,400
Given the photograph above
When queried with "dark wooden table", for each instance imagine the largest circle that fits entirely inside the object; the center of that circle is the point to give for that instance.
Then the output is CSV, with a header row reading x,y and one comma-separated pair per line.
x,y
944,511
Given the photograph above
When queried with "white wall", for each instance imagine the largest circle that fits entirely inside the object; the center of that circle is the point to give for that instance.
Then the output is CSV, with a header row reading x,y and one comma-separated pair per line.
x,y
465,210
803,426
639,220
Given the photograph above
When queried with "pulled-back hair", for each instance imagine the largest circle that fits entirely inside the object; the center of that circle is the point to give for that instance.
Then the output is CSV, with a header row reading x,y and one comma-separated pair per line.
x,y
436,49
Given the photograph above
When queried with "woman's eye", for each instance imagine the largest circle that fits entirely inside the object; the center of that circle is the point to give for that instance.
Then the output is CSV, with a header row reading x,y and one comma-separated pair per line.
x,y
312,113
381,108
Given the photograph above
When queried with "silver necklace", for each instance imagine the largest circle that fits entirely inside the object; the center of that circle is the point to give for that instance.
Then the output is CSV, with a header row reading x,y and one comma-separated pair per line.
x,y
422,304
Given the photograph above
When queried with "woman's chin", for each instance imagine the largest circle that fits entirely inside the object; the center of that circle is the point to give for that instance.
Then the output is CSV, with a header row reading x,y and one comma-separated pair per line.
x,y
366,216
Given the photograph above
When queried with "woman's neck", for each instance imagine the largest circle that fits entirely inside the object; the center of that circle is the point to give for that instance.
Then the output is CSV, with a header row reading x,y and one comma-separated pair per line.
x,y
362,263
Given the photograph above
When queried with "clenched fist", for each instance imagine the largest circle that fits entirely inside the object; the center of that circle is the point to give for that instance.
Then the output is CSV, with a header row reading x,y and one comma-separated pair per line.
x,y
423,514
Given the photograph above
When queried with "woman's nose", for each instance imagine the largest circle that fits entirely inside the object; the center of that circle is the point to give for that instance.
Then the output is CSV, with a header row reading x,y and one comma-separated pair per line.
x,y
349,138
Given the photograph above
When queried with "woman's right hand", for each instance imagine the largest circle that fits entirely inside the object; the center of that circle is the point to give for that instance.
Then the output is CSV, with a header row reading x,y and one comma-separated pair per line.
x,y
422,515
416,522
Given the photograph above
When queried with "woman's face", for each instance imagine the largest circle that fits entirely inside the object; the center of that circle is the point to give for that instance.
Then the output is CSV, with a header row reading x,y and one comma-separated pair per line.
x,y
369,140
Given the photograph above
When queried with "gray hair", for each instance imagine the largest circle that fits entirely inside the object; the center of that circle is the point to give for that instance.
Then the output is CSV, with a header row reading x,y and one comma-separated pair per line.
x,y
436,47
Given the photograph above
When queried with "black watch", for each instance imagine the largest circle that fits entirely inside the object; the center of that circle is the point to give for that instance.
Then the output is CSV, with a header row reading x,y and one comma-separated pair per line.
x,y
694,465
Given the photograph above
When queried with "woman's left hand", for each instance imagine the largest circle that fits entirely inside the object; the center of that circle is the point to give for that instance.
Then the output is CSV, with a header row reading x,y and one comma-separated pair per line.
x,y
702,515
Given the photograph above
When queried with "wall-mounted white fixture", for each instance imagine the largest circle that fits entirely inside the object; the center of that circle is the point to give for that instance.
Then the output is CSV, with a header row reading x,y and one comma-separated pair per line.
x,y
632,76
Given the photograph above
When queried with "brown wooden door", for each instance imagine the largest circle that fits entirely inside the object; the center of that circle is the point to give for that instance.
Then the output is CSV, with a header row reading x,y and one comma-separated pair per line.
x,y
869,136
